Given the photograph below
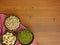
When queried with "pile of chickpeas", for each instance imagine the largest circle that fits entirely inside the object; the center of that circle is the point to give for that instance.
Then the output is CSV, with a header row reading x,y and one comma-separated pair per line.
x,y
12,22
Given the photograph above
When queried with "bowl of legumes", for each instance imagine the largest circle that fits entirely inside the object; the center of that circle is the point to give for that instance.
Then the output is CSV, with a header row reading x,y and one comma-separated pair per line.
x,y
8,38
12,22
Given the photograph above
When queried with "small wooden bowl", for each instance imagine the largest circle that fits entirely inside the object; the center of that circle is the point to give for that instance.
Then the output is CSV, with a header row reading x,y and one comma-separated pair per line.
x,y
9,16
27,37
9,32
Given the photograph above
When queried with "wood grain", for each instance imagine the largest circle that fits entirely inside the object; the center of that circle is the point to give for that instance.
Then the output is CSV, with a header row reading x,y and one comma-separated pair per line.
x,y
40,16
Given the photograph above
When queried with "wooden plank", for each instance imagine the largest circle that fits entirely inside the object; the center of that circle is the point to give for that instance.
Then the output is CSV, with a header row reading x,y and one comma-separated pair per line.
x,y
41,16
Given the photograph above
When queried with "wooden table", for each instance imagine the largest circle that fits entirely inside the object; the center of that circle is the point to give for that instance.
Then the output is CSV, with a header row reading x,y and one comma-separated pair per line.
x,y
40,16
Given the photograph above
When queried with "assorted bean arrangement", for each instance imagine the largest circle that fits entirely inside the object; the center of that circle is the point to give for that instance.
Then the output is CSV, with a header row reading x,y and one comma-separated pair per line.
x,y
12,23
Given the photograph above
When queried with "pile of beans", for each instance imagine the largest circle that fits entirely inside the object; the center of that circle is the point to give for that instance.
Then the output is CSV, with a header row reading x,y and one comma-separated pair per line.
x,y
9,38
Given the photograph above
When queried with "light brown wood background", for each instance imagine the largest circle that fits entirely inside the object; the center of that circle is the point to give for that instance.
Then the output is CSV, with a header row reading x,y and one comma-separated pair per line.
x,y
40,16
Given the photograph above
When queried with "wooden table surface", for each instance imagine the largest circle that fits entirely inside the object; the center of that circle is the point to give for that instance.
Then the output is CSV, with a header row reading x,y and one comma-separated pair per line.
x,y
40,16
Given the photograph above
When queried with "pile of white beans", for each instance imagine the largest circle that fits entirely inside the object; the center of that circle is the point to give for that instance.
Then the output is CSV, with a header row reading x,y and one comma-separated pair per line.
x,y
12,22
9,39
